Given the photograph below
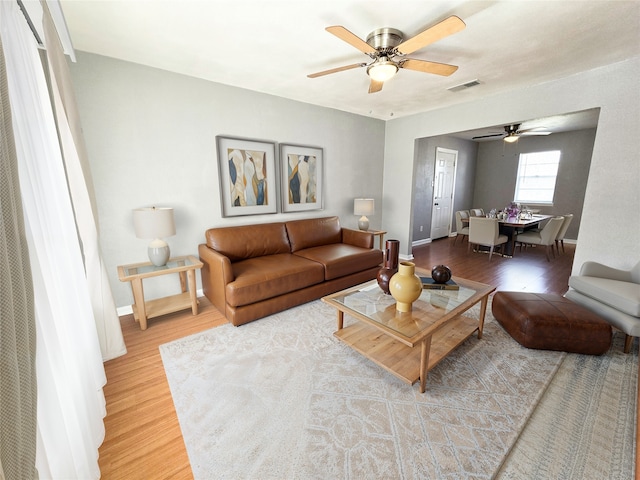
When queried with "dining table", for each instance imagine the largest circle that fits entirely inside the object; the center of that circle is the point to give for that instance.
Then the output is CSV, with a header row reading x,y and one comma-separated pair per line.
x,y
509,226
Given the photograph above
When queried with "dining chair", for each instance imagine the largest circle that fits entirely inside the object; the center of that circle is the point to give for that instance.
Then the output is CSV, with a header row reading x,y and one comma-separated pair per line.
x,y
462,228
562,232
485,231
545,237
477,212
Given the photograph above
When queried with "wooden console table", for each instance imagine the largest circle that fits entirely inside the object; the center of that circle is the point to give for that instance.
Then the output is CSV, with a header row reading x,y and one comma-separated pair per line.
x,y
142,310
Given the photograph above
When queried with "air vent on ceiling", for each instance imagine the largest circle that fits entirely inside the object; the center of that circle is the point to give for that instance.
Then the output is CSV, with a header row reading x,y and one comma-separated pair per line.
x,y
465,85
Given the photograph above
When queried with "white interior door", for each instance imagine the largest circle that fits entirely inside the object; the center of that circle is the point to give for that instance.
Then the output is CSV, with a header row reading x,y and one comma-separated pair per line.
x,y
443,185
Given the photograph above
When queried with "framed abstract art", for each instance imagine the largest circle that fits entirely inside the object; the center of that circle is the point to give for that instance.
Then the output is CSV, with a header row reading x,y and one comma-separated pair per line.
x,y
300,178
248,176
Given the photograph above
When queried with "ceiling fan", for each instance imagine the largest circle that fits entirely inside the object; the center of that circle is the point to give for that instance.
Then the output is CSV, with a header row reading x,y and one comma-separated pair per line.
x,y
387,47
513,132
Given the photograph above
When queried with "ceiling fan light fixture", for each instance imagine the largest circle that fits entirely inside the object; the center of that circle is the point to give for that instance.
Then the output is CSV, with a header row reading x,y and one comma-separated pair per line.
x,y
511,138
382,70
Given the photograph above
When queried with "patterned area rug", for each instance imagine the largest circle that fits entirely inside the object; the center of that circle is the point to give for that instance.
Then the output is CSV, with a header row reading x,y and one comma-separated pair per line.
x,y
584,426
282,398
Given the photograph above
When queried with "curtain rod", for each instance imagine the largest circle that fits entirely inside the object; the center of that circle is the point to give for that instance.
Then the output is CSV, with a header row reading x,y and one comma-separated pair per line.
x,y
33,12
30,23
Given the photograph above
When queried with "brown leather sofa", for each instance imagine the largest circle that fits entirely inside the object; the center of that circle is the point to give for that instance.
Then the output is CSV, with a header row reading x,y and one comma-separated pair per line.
x,y
252,271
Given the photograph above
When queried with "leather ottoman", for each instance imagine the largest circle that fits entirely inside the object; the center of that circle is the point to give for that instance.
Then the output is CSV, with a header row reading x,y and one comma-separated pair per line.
x,y
550,322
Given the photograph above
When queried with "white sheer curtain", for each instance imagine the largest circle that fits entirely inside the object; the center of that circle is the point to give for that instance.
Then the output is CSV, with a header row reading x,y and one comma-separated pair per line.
x,y
68,361
72,143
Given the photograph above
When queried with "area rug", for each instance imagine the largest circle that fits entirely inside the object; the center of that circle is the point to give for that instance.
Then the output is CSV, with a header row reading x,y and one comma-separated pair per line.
x,y
584,426
282,398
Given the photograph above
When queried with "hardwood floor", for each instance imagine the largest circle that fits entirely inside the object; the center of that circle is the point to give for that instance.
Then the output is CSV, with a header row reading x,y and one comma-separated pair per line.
x,y
527,270
142,434
143,438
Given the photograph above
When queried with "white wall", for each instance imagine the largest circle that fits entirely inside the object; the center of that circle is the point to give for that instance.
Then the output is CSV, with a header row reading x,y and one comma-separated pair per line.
x,y
150,136
610,228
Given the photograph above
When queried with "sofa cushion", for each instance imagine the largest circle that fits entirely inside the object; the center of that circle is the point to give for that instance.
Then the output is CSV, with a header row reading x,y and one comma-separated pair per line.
x,y
623,296
260,278
249,241
340,259
313,232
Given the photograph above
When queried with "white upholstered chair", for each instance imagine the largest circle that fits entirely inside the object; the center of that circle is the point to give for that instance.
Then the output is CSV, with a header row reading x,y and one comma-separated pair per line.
x,y
612,293
562,232
477,212
545,237
485,231
461,228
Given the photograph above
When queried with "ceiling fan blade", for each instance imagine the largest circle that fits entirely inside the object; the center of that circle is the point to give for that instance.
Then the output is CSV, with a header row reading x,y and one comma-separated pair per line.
x,y
428,67
532,133
487,136
375,86
335,70
443,29
353,40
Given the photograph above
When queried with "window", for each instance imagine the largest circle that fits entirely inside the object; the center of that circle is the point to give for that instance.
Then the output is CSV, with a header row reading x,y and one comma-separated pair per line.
x,y
536,182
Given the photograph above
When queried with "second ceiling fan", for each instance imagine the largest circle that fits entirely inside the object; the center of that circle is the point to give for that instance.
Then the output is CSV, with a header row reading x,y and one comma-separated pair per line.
x,y
386,47
513,132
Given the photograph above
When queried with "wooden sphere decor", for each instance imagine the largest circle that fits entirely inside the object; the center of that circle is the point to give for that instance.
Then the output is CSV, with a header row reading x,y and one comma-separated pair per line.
x,y
441,274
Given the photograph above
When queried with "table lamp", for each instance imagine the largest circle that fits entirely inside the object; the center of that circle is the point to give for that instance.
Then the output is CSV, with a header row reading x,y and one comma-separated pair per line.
x,y
155,223
364,207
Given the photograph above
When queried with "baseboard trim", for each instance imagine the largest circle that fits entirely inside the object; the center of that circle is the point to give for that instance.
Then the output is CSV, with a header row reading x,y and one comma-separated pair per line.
x,y
126,310
421,242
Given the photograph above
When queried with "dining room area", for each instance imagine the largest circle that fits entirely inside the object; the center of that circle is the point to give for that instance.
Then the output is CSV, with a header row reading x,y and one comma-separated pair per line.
x,y
486,181
501,231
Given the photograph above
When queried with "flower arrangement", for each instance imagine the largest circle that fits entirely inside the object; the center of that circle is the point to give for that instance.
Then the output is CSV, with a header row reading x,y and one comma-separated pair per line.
x,y
513,210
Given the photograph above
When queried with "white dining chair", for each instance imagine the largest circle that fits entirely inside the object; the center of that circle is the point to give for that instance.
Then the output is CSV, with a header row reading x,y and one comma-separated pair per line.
x,y
485,231
462,229
562,232
545,237
477,212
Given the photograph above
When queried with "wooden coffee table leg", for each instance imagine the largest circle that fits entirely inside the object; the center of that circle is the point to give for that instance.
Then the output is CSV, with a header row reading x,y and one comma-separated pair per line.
x,y
424,363
483,311
340,320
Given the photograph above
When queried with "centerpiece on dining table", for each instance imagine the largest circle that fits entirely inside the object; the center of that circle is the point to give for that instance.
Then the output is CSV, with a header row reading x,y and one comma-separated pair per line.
x,y
513,212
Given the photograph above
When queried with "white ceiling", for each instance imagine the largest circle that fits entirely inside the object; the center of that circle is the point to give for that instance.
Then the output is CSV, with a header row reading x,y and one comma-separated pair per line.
x,y
271,46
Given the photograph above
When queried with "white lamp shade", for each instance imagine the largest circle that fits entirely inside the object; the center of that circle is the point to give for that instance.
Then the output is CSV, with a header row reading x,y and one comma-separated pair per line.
x,y
153,222
363,206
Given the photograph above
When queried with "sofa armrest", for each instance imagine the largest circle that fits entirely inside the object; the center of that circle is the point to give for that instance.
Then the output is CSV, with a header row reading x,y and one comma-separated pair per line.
x,y
216,273
595,269
357,238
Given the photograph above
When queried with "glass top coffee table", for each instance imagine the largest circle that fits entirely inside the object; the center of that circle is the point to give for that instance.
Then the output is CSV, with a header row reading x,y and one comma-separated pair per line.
x,y
412,343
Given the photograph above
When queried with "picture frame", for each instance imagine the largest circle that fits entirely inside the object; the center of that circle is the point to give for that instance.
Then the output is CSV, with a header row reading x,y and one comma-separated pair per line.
x,y
247,175
301,189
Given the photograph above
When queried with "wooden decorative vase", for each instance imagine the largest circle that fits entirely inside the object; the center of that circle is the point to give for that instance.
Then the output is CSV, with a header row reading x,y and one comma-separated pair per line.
x,y
405,286
390,265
